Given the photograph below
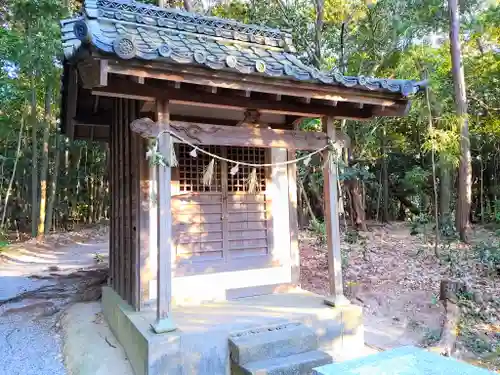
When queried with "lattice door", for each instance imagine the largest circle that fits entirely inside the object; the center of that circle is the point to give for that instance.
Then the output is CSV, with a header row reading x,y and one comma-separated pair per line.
x,y
247,213
197,211
222,222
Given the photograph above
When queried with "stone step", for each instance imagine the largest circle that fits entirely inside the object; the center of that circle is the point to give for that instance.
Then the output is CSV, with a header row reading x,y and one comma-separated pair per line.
x,y
269,342
297,364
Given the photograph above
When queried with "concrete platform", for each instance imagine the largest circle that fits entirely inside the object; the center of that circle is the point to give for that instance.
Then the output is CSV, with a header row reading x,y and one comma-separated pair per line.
x,y
200,344
402,361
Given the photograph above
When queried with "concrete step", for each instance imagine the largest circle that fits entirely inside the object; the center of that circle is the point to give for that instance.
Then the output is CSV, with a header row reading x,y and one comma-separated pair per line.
x,y
270,342
298,364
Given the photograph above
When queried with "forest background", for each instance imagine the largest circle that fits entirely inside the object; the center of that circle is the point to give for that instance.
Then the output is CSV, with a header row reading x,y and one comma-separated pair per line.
x,y
439,164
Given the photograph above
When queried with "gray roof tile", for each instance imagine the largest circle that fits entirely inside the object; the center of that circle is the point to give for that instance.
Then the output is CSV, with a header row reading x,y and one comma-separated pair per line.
x,y
134,30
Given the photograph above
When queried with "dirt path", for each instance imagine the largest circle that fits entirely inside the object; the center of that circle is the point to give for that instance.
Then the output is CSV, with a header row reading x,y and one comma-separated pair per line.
x,y
28,328
396,277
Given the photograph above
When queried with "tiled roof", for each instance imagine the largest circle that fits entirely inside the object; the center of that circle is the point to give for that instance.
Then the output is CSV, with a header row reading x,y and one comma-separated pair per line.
x,y
133,30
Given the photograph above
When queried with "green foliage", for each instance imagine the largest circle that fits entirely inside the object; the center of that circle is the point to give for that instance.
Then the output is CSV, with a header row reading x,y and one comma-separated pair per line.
x,y
319,229
386,38
4,240
416,177
418,224
488,253
431,336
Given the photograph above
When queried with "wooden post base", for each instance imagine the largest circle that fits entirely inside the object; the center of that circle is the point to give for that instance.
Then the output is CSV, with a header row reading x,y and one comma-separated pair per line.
x,y
336,301
164,325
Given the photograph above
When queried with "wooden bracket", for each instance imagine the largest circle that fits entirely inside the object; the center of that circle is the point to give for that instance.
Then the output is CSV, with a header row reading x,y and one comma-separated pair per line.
x,y
93,73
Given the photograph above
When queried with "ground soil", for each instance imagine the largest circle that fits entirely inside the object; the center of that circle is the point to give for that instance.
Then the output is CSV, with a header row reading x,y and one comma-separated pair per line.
x,y
39,279
396,276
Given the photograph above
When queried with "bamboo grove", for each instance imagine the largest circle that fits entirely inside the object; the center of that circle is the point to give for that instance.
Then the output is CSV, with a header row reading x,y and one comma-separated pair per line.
x,y
412,168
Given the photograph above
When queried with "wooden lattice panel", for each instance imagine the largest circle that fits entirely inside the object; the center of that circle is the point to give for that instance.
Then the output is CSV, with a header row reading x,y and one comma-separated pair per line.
x,y
220,222
247,213
197,224
247,224
191,169
239,182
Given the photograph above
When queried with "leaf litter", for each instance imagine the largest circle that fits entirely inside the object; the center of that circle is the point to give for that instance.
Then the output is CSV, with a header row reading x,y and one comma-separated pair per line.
x,y
395,277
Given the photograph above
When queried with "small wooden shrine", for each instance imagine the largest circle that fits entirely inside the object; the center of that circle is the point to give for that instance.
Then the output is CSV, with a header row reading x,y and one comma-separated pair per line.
x,y
234,90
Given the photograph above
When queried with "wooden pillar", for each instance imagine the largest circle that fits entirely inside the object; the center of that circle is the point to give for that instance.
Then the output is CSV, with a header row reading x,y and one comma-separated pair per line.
x,y
164,322
293,216
336,297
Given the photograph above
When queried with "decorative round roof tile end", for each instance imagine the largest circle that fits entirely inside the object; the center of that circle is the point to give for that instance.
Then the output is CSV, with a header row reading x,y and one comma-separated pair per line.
x,y
362,80
125,47
231,61
200,57
81,31
165,50
407,88
118,15
260,66
339,78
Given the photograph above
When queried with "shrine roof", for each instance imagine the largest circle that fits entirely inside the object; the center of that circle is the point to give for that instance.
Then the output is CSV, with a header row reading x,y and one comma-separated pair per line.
x,y
131,30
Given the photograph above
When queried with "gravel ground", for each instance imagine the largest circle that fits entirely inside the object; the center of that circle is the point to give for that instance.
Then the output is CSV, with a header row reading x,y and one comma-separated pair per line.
x,y
29,347
30,344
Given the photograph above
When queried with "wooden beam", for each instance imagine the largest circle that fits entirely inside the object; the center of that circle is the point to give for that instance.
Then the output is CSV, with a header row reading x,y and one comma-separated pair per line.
x,y
103,72
163,323
220,135
391,112
254,83
332,226
132,90
102,119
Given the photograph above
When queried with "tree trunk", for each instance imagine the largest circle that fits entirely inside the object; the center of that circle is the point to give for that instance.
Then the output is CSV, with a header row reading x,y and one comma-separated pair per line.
x,y
11,181
45,163
445,188
385,177
481,190
74,185
318,32
54,183
434,182
188,5
357,204
63,208
465,168
34,162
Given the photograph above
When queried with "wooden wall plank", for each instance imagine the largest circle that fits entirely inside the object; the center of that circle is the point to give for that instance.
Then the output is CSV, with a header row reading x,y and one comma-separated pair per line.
x,y
224,206
119,162
112,263
269,204
145,209
126,182
135,155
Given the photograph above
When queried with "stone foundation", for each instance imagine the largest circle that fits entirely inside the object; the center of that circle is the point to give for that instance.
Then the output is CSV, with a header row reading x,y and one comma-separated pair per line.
x,y
200,344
